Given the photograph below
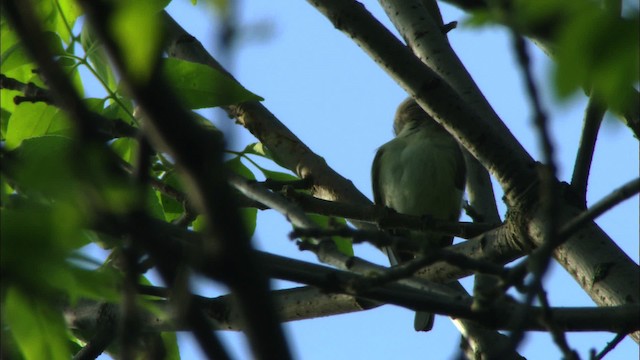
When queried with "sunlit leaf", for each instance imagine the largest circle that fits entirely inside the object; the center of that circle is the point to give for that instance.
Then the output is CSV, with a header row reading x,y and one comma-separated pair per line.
x,y
200,86
42,164
13,56
126,148
257,149
170,341
239,168
136,27
31,120
55,21
37,327
4,123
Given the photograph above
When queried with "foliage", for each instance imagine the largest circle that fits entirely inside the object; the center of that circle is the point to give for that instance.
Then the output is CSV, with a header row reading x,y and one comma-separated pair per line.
x,y
593,49
50,203
55,189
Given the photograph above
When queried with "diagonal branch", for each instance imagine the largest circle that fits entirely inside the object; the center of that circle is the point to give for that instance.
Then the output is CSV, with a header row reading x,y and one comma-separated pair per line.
x,y
542,35
592,120
505,158
288,150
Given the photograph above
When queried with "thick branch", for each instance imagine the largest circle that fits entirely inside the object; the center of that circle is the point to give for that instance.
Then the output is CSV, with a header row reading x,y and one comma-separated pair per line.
x,y
489,141
543,35
310,302
288,150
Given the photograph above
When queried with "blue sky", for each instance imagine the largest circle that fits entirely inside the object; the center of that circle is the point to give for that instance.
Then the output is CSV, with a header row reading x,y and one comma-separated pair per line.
x,y
341,104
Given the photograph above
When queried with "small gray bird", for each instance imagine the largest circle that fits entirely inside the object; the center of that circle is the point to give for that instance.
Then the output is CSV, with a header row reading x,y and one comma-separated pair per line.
x,y
420,172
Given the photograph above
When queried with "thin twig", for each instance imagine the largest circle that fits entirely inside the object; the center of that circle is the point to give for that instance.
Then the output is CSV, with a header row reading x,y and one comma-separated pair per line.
x,y
31,91
556,333
109,128
386,218
381,238
104,336
610,346
584,157
614,198
617,196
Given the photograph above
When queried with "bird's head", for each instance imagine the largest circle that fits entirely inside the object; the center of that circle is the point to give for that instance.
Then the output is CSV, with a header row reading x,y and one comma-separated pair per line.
x,y
410,114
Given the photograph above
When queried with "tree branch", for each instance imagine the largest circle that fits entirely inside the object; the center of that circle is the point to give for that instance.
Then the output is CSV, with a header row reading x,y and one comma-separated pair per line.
x,y
542,35
310,302
504,158
288,150
592,120
515,171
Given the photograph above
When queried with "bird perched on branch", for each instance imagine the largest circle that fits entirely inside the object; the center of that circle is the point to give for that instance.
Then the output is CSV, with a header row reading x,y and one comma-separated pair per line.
x,y
420,172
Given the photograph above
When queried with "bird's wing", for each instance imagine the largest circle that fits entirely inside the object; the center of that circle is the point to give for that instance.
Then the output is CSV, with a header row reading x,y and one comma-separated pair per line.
x,y
375,178
460,172
378,197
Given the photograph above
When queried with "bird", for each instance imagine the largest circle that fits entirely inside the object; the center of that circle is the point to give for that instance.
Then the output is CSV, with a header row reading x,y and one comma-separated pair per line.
x,y
420,172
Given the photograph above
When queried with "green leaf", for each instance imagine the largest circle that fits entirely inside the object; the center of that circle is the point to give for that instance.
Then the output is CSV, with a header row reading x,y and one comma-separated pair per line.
x,y
239,168
70,11
249,218
276,175
343,244
42,164
37,327
71,68
198,224
56,231
257,149
115,110
170,341
200,86
154,205
172,209
5,115
600,52
5,192
8,106
30,120
13,56
136,27
260,150
126,148
54,42
101,284
55,21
